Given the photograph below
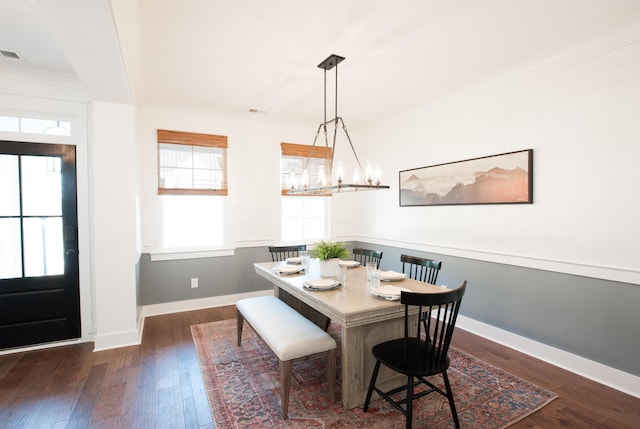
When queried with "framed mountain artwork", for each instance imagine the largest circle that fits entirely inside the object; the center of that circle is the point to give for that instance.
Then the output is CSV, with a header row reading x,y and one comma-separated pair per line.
x,y
506,178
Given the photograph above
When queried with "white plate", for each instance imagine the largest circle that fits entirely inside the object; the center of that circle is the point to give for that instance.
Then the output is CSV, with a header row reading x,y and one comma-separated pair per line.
x,y
321,283
289,269
389,276
348,264
392,293
294,260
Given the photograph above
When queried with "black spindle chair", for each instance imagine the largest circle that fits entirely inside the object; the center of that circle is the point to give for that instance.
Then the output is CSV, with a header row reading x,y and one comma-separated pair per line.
x,y
422,354
281,253
421,269
366,255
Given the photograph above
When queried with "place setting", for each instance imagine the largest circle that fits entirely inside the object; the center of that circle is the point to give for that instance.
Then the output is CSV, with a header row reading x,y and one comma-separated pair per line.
x,y
321,284
387,292
289,269
294,265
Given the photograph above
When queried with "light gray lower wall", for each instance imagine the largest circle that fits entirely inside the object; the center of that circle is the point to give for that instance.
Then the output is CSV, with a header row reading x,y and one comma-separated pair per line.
x,y
170,281
592,318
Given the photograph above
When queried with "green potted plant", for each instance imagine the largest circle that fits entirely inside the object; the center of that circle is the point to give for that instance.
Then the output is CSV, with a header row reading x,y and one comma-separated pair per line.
x,y
329,253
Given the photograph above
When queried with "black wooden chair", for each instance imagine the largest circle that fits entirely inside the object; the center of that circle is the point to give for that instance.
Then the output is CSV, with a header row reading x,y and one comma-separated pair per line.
x,y
281,253
421,269
422,354
365,255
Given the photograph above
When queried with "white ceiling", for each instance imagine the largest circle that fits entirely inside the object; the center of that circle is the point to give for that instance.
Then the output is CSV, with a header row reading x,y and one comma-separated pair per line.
x,y
231,56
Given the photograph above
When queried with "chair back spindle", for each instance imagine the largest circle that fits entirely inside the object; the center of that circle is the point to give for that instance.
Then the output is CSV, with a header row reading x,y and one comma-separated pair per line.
x,y
281,253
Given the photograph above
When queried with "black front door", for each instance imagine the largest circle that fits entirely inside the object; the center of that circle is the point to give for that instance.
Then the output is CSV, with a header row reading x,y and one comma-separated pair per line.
x,y
39,286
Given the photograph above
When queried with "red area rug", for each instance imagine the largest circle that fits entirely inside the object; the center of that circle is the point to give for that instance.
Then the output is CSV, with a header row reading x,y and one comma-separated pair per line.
x,y
242,384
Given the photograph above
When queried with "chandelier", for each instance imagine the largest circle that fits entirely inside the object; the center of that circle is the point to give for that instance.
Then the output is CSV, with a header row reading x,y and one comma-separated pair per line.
x,y
363,179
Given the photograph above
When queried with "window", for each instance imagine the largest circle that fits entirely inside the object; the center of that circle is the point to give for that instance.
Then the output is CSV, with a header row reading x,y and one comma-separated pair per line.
x,y
191,163
192,221
192,188
304,218
18,124
295,158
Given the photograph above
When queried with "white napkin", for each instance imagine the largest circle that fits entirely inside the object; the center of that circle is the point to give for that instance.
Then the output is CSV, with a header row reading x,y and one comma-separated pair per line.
x,y
391,275
288,269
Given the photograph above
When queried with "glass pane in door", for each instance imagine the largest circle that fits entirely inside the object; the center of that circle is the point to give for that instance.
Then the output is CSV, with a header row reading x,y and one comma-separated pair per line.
x,y
10,189
10,251
43,247
41,186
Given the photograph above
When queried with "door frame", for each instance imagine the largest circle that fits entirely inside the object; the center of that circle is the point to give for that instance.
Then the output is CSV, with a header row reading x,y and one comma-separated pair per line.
x,y
76,112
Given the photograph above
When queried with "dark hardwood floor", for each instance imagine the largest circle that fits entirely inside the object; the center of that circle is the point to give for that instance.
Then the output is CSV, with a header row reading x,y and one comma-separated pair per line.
x,y
158,384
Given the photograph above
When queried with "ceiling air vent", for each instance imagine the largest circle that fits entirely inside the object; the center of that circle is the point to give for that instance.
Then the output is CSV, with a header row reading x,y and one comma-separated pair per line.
x,y
10,54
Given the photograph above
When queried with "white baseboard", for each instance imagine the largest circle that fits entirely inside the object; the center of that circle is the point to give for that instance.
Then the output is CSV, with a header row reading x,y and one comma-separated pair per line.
x,y
198,304
40,346
115,340
595,371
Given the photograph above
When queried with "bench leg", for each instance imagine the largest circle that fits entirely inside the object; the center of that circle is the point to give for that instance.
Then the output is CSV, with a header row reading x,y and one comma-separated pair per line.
x,y
285,386
331,374
239,322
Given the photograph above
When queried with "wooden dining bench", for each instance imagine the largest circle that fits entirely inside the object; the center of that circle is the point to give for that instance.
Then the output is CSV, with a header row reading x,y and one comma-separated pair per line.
x,y
290,336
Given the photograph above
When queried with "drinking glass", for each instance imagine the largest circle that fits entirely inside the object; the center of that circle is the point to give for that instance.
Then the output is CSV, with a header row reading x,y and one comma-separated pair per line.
x,y
341,274
305,260
374,283
371,267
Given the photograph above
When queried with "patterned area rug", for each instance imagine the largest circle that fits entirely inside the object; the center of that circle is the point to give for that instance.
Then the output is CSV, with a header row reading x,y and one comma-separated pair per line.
x,y
243,389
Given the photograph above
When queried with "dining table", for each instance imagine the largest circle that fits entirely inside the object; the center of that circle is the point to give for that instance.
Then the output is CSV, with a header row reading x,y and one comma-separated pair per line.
x,y
365,319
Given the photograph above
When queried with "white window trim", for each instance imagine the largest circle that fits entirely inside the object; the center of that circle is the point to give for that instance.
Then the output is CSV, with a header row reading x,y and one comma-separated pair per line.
x,y
190,254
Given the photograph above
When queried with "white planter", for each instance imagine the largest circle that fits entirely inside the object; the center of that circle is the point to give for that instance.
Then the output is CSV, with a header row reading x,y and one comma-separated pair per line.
x,y
328,267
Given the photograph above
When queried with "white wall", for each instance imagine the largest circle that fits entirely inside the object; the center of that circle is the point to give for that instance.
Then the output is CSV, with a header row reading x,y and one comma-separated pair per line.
x,y
113,180
253,165
578,110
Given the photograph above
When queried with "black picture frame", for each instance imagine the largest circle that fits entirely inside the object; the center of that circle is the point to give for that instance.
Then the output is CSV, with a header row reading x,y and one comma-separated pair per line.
x,y
505,178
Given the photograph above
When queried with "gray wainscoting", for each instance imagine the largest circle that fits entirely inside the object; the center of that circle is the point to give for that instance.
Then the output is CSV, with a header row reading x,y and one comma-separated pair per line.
x,y
592,318
170,281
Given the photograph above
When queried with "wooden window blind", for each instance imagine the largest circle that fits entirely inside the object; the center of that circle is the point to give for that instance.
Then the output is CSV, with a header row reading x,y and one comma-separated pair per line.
x,y
192,163
293,158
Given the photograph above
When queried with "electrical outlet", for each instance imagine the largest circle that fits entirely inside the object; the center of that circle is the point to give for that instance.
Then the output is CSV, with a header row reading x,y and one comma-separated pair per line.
x,y
194,282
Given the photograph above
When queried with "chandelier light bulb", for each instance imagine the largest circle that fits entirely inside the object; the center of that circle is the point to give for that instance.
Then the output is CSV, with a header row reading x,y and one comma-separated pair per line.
x,y
340,172
322,178
356,176
369,172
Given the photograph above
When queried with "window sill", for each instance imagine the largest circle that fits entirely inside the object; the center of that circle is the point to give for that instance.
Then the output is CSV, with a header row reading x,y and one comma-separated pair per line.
x,y
189,254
